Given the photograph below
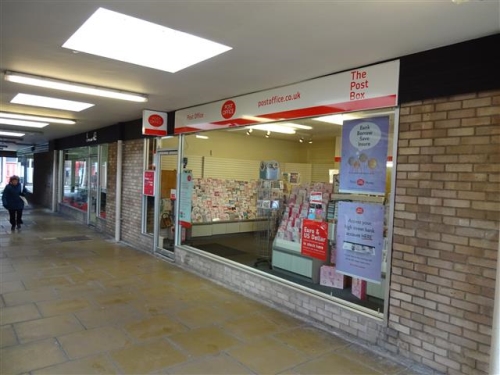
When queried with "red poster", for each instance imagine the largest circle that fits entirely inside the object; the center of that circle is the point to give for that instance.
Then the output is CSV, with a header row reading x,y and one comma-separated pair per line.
x,y
315,239
149,183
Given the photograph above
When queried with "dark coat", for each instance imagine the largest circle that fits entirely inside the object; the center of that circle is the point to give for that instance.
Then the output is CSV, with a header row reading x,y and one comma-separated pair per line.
x,y
11,197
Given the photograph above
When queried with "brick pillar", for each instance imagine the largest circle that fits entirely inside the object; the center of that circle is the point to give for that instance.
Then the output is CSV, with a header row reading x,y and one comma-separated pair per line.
x,y
446,224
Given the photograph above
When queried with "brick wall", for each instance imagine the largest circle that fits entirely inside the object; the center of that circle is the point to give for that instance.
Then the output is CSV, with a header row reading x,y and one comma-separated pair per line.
x,y
446,231
133,165
111,190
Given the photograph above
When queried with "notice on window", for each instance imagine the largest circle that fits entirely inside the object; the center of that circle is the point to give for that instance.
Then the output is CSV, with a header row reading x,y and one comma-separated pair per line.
x,y
149,183
364,156
186,195
314,239
360,239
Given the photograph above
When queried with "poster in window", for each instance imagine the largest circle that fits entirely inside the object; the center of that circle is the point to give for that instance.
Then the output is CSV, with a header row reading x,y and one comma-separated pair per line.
x,y
360,240
364,156
186,194
149,183
314,242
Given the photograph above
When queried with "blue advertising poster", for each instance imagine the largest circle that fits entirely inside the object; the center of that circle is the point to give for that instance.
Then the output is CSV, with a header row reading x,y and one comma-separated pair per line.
x,y
360,240
364,156
186,196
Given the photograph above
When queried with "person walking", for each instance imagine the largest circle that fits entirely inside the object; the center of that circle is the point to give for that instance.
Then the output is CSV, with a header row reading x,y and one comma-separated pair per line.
x,y
12,201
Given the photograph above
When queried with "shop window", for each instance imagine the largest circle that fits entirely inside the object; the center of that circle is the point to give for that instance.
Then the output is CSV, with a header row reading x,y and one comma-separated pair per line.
x,y
75,186
148,200
310,207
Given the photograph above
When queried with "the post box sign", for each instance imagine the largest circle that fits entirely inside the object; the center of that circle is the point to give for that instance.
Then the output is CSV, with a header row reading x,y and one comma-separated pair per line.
x,y
154,123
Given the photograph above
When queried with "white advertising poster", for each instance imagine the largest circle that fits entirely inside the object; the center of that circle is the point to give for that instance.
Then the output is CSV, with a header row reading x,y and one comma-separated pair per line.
x,y
360,240
364,154
154,123
186,195
371,87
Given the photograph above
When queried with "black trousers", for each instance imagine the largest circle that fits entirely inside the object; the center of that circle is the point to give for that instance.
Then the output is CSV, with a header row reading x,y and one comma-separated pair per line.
x,y
16,217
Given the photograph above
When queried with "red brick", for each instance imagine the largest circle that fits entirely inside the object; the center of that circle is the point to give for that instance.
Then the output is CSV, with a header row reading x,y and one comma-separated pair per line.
x,y
453,275
443,211
484,140
487,111
409,135
431,184
426,269
423,142
410,118
476,121
463,113
460,132
488,130
459,168
457,185
463,305
456,203
424,108
450,292
455,141
463,96
445,176
482,102
433,116
448,106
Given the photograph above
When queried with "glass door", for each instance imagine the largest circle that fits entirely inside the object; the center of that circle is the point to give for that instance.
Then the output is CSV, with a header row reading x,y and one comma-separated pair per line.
x,y
93,189
166,179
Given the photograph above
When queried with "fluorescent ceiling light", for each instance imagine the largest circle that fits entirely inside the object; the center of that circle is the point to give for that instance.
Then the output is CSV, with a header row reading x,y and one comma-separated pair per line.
x,y
33,124
132,40
11,134
73,87
275,128
257,119
295,126
47,102
201,136
336,119
36,118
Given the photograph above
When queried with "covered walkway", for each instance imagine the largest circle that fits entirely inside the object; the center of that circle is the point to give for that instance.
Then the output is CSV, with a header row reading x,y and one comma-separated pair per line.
x,y
75,302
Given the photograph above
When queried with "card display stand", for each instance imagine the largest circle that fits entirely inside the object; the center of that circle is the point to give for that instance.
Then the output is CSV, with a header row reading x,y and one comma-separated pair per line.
x,y
269,203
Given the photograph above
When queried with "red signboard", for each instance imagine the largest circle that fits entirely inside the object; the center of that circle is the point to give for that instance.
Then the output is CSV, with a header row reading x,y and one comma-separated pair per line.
x,y
149,183
315,239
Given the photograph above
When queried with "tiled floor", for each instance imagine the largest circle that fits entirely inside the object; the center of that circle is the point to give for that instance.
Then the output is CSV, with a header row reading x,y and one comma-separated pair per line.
x,y
96,307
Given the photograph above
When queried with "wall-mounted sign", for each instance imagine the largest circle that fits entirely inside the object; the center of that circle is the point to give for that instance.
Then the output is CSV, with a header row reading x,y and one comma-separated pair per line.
x,y
149,183
365,88
91,137
154,123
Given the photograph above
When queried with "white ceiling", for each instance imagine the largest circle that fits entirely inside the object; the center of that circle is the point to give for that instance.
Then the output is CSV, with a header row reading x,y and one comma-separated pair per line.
x,y
275,43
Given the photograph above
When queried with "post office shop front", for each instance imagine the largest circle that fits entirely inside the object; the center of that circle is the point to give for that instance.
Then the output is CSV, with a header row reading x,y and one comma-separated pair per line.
x,y
288,195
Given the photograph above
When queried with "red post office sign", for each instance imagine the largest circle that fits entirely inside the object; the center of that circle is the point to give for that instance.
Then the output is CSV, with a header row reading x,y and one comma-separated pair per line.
x,y
149,183
154,123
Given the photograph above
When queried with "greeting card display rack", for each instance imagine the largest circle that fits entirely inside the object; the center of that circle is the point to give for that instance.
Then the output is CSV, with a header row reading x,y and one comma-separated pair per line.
x,y
269,206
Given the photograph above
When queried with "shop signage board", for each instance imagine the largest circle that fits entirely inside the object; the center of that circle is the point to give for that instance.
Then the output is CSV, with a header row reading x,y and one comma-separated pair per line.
x,y
149,183
314,242
360,239
154,123
371,87
364,154
186,195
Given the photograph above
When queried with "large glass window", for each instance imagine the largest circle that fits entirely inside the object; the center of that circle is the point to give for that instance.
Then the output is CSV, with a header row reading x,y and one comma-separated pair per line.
x,y
148,200
311,207
75,188
103,179
85,180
